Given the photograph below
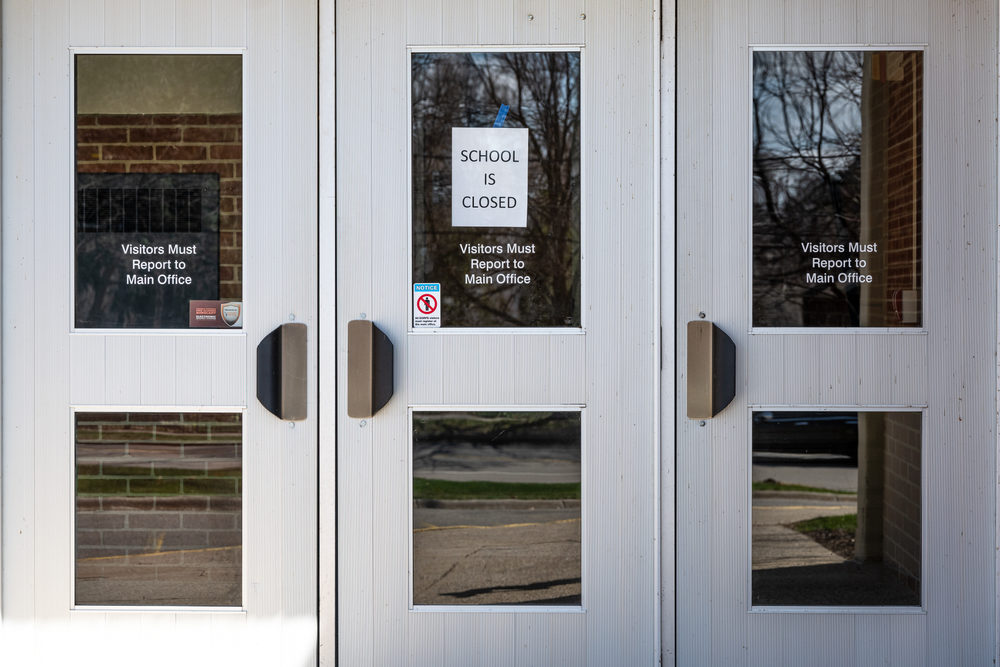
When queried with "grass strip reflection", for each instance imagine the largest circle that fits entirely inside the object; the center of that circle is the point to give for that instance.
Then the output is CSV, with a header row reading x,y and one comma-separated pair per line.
x,y
778,486
439,489
503,525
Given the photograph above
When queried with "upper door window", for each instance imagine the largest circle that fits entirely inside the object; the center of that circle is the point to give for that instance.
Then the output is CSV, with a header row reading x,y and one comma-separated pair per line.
x,y
496,189
159,191
837,180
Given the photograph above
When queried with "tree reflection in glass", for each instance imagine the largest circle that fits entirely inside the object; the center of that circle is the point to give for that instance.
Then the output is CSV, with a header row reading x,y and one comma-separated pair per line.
x,y
466,90
837,188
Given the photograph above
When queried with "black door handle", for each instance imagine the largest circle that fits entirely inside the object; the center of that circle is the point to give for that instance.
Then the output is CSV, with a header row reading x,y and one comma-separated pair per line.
x,y
282,369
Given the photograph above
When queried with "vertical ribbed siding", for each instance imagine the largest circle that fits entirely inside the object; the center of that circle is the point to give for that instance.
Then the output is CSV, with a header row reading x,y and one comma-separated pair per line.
x,y
610,368
54,369
356,98
53,495
18,407
695,180
951,369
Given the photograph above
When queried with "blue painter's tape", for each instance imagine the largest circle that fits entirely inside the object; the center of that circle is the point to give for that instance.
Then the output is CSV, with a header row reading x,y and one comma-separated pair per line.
x,y
501,115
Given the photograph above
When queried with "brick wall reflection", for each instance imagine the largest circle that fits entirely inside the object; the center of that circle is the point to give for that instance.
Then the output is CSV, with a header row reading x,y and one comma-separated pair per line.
x,y
176,144
159,508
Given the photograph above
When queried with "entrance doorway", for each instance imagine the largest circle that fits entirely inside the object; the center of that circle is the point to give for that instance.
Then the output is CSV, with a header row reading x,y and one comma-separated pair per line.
x,y
843,489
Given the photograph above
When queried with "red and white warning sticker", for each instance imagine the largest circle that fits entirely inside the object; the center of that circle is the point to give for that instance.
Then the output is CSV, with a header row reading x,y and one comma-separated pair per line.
x,y
426,305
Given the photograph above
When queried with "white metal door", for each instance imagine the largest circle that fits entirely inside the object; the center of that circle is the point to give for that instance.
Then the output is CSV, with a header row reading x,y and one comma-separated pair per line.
x,y
939,370
59,374
602,373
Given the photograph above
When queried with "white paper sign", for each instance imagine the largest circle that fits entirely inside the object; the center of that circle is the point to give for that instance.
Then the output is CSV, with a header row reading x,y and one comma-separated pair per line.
x,y
426,305
489,177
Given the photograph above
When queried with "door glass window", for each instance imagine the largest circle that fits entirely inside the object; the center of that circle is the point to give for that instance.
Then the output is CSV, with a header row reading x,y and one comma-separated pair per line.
x,y
496,189
837,188
158,234
496,508
159,509
836,508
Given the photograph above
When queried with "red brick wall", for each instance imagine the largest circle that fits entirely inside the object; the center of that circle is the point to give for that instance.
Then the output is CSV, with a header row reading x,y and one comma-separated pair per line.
x,y
901,510
176,143
904,178
158,508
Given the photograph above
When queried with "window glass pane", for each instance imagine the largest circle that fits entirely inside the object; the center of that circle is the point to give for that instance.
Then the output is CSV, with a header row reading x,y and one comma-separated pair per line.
x,y
836,508
496,210
496,508
159,191
837,181
159,509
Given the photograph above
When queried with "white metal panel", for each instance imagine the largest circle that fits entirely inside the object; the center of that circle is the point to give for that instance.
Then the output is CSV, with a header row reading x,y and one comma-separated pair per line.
x,y
961,277
56,368
906,643
909,370
839,369
424,360
910,21
423,22
695,179
426,639
86,22
495,19
668,321
229,371
532,355
87,369
531,21
731,311
765,372
389,307
875,20
50,403
229,22
780,640
459,22
296,33
194,358
157,379
121,23
473,370
502,374
567,21
838,21
499,386
619,192
802,21
767,22
567,378
941,369
355,102
875,380
122,370
19,343
193,22
800,387
461,371
156,22
462,633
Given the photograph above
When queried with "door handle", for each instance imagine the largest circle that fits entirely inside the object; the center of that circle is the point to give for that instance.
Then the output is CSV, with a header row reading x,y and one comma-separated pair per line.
x,y
369,369
282,369
711,370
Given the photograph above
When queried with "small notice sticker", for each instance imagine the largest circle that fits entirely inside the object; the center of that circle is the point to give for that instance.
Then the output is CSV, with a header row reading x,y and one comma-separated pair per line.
x,y
215,314
426,305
